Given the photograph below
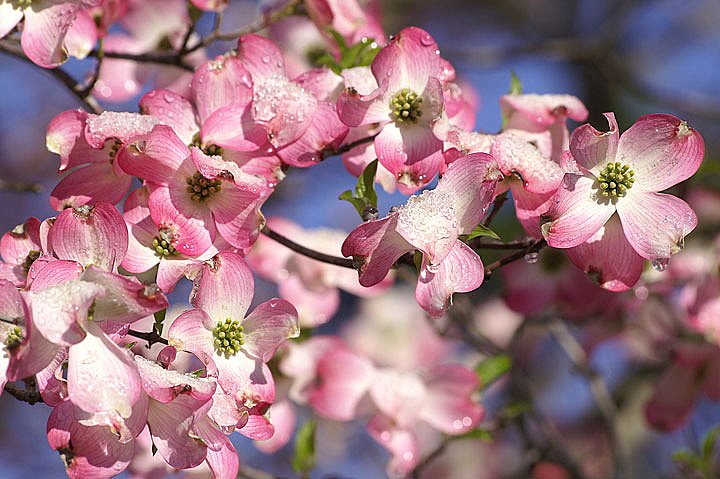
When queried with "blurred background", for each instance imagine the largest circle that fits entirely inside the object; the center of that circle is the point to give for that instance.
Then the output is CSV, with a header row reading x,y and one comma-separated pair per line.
x,y
632,57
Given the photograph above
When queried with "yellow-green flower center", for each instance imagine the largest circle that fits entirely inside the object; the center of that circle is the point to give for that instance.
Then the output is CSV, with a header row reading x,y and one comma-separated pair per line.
x,y
201,188
210,149
22,4
163,247
228,337
615,179
14,338
405,107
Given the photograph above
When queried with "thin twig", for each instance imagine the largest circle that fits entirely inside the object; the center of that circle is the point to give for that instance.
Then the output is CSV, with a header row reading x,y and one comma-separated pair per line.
x,y
496,206
92,80
532,249
21,187
30,396
601,394
345,148
75,88
478,243
310,253
151,337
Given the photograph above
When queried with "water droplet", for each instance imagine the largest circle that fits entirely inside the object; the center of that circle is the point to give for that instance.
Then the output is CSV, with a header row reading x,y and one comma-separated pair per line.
x,y
660,264
265,59
531,258
427,40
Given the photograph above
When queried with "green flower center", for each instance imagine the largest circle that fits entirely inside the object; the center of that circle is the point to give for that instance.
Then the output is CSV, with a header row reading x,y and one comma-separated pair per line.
x,y
23,3
615,179
163,247
211,149
405,106
14,338
201,188
228,337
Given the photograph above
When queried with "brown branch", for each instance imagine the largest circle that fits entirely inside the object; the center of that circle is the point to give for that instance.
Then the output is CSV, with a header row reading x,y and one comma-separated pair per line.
x,y
75,88
496,206
28,395
478,243
600,392
95,75
532,249
345,148
310,253
151,337
21,187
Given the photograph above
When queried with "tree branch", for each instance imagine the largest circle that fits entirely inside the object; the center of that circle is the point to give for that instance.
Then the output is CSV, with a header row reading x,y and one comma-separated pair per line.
x,y
532,249
151,337
310,253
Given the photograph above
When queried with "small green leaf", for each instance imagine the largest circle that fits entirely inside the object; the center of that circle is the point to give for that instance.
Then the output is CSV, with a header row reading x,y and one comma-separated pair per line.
x,y
482,230
515,84
364,195
198,373
304,460
131,345
515,409
492,368
687,458
709,443
482,434
159,320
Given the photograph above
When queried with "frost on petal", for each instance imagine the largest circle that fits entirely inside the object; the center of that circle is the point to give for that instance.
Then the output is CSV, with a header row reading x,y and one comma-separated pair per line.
x,y
532,112
662,150
517,153
164,385
284,108
326,131
121,125
656,224
590,148
608,258
91,235
428,222
102,377
376,245
461,271
268,326
471,182
576,212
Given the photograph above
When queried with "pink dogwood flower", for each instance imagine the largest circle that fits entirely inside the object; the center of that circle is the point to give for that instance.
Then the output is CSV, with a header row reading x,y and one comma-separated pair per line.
x,y
431,223
407,100
622,174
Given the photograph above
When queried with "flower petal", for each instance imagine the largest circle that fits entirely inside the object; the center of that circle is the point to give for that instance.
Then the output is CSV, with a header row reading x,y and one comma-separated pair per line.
x,y
662,150
575,212
591,148
173,110
655,224
225,287
268,326
219,83
46,24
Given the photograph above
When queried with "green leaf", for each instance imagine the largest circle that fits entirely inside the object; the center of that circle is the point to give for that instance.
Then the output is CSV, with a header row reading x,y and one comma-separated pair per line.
x,y
482,434
687,458
482,230
159,320
304,459
515,84
709,443
364,195
515,409
492,368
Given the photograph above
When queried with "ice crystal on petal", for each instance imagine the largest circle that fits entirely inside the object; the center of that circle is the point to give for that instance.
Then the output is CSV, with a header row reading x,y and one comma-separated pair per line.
x,y
428,217
273,97
121,125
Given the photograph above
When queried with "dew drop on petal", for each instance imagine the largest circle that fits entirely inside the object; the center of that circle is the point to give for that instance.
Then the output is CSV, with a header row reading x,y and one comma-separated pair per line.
x,y
426,40
531,258
660,264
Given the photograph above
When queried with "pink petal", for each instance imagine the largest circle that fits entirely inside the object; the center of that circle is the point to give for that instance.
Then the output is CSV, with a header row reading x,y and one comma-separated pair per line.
x,y
164,385
593,149
460,272
173,110
536,113
223,462
66,137
407,61
247,379
471,181
662,150
170,426
315,305
58,311
325,131
225,288
91,235
608,258
10,15
529,207
655,224
55,272
102,377
232,126
91,184
126,299
140,256
674,398
157,157
400,395
261,57
377,245
44,32
344,378
192,332
284,420
82,35
51,384
91,452
16,244
355,109
191,223
575,214
402,444
412,153
237,216
268,326
221,82
449,406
